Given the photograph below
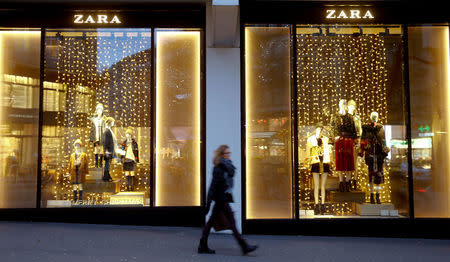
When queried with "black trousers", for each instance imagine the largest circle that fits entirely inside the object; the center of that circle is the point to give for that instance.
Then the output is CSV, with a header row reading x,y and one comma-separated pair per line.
x,y
106,175
218,208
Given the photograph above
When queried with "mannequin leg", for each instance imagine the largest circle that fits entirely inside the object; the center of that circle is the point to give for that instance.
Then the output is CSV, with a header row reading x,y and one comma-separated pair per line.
x,y
101,161
377,195
348,175
316,187
372,196
322,185
80,192
341,182
96,160
132,180
127,175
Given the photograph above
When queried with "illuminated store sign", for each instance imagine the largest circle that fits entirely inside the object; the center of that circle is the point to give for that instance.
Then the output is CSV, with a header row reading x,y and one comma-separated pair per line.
x,y
96,19
349,14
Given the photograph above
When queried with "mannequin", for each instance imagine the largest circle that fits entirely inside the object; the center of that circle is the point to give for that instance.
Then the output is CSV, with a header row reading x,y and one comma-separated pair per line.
x,y
131,157
374,150
318,151
109,147
351,105
345,133
78,168
96,135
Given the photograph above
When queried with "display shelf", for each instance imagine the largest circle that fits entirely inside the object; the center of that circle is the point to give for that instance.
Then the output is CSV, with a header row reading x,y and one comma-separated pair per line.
x,y
100,186
128,198
354,196
375,209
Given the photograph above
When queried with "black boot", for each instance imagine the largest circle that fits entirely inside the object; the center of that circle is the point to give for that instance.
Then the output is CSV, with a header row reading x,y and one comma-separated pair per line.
x,y
101,161
347,186
246,248
341,187
128,183
378,198
354,185
96,160
316,209
322,209
75,196
132,183
80,195
372,199
203,247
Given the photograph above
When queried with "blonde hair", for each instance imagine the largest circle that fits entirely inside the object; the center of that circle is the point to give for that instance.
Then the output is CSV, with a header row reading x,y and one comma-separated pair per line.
x,y
109,120
129,131
218,154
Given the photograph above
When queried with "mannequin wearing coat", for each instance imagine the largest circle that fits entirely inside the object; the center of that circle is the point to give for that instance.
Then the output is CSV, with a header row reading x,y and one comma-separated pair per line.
x,y
318,150
78,168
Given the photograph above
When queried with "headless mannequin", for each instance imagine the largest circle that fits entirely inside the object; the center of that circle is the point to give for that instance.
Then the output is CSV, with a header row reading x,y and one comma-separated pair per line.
x,y
351,109
96,135
318,150
342,111
374,188
319,178
129,174
110,145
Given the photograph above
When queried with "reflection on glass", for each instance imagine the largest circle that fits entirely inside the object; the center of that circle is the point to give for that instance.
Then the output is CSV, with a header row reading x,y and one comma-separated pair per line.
x,y
177,118
350,111
430,119
96,118
19,117
268,125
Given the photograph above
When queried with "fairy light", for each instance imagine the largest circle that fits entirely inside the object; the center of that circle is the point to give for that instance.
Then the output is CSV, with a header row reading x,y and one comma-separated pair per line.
x,y
331,67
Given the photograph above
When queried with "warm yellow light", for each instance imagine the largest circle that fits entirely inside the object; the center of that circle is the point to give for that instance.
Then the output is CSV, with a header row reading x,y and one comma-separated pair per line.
x,y
177,67
257,206
446,80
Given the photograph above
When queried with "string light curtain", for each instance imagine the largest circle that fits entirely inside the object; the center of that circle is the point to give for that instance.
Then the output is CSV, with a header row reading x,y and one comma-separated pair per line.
x,y
108,66
334,66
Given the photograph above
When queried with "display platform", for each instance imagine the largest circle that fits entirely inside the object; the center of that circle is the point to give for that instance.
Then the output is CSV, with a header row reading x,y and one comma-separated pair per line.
x,y
354,196
376,210
59,203
100,186
128,198
95,174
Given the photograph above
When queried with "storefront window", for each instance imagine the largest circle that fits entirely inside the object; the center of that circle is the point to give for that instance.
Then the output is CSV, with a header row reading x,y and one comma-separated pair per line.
x,y
352,155
268,122
96,133
178,148
19,116
428,48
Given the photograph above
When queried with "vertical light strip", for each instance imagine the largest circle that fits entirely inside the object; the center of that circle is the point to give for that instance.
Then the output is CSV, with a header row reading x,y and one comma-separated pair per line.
x,y
248,167
173,50
446,70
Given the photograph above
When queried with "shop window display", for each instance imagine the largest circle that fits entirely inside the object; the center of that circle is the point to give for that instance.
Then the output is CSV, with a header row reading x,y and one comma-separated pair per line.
x,y
350,112
96,133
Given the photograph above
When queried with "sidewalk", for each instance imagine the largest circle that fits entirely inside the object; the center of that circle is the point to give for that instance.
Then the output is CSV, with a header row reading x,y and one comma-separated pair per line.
x,y
109,243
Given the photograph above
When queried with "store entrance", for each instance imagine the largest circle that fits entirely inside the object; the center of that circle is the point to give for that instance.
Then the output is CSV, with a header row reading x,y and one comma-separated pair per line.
x,y
351,121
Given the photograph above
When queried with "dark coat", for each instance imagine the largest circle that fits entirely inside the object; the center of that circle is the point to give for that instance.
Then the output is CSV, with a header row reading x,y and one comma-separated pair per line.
x,y
135,148
222,181
108,142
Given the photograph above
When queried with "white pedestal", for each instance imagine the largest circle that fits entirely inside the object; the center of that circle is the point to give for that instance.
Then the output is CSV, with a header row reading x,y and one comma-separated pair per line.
x,y
373,209
59,203
128,198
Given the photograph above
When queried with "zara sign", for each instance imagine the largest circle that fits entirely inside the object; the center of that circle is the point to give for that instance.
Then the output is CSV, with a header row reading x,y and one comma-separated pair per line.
x,y
349,14
96,19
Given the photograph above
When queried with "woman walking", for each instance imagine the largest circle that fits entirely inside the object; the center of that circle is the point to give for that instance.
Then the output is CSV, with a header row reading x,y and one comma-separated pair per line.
x,y
220,192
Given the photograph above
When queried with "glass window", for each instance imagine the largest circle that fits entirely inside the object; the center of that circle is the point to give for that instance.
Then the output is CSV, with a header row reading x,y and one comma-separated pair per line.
x,y
19,116
428,48
268,125
178,83
351,132
96,133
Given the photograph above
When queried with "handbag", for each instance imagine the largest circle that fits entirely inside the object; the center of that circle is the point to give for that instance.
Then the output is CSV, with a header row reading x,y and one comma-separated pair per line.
x,y
221,223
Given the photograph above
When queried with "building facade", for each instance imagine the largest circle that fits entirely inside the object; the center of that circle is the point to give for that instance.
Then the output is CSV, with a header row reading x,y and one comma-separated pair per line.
x,y
336,114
